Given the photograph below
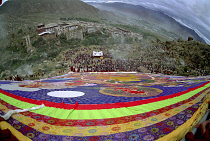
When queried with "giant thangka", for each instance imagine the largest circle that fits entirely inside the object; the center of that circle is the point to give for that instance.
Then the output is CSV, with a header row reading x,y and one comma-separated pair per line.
x,y
106,106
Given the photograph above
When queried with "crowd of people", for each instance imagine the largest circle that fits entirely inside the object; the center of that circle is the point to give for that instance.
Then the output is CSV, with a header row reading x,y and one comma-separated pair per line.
x,y
15,78
144,59
82,61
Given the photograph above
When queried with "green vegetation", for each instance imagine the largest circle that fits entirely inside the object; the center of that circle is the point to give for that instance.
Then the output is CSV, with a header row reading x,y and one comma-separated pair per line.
x,y
145,33
39,43
96,38
78,19
20,31
195,55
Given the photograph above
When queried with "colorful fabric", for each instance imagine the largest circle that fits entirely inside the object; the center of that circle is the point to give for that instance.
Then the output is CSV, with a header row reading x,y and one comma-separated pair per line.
x,y
113,107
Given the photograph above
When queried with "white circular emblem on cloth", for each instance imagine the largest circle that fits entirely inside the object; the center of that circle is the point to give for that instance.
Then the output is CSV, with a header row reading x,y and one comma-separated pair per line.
x,y
65,94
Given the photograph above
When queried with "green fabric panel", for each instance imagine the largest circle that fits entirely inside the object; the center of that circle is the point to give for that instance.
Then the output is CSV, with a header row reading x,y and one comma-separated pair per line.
x,y
99,115
120,112
65,114
59,113
15,102
113,113
128,111
55,113
46,111
81,115
108,113
43,110
85,114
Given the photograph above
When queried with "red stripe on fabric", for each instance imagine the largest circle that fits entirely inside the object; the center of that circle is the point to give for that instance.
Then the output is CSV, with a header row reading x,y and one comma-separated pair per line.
x,y
99,106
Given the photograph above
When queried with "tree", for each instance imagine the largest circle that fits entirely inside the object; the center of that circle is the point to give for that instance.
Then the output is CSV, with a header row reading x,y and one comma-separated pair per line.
x,y
40,39
63,38
20,31
13,35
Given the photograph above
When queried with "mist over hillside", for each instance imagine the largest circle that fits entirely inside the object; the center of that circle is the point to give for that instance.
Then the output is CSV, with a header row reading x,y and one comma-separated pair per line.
x,y
193,14
145,18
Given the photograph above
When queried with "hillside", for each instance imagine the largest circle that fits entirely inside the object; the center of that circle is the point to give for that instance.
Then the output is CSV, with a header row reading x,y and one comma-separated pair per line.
x,y
149,51
25,8
19,18
58,56
16,14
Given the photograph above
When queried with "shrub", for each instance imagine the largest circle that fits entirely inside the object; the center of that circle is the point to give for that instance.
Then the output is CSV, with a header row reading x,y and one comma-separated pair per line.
x,y
20,31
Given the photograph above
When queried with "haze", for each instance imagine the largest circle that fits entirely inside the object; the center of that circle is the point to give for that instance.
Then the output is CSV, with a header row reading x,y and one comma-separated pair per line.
x,y
193,14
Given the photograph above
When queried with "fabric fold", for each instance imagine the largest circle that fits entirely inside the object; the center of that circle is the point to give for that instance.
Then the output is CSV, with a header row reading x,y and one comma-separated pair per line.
x,y
11,112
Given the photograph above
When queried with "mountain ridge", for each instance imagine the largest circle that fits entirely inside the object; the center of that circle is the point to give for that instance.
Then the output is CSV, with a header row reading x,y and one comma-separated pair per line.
x,y
46,10
45,6
155,17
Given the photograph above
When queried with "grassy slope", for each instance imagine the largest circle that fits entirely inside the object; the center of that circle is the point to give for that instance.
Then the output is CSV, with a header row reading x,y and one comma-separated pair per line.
x,y
23,15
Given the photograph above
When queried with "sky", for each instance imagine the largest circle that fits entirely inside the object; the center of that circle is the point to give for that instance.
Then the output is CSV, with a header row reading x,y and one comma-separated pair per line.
x,y
194,14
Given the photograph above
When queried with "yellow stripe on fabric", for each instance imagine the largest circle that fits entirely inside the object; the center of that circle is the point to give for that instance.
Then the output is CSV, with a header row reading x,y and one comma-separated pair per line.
x,y
96,114
101,130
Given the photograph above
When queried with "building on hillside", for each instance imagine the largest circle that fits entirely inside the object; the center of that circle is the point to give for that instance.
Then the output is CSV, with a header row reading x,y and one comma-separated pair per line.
x,y
48,35
40,28
68,28
61,28
50,27
53,30
80,29
91,29
47,31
